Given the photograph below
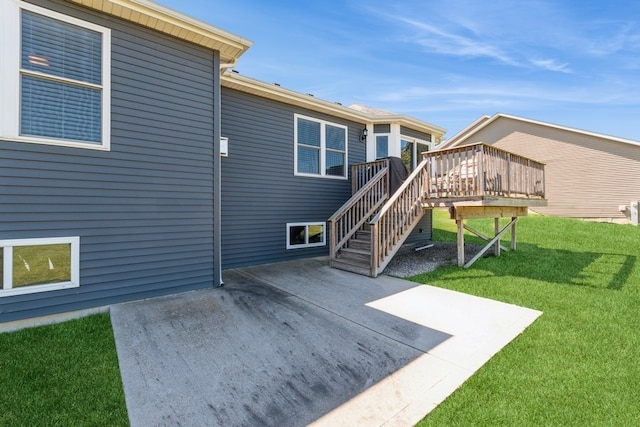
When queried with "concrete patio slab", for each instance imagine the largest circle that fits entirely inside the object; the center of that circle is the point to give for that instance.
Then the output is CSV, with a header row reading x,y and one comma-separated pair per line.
x,y
299,343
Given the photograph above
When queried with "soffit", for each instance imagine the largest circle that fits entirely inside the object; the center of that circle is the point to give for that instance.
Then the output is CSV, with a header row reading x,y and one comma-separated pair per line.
x,y
168,21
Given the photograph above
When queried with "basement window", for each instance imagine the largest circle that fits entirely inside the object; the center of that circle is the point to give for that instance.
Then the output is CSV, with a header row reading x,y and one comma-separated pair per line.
x,y
37,265
305,235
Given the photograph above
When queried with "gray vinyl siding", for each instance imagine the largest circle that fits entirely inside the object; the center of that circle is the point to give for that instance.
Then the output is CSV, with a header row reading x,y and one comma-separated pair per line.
x,y
143,210
585,176
260,193
415,134
382,128
422,232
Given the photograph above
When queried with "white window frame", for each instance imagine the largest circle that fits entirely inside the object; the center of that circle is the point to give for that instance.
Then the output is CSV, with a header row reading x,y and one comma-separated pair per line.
x,y
306,234
323,148
10,72
6,281
375,144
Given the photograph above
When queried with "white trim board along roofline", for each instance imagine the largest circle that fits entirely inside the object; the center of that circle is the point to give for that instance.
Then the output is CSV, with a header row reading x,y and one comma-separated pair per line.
x,y
485,121
234,80
176,24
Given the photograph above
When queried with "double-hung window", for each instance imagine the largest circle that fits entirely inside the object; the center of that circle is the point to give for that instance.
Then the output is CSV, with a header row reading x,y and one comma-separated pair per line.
x,y
320,148
55,78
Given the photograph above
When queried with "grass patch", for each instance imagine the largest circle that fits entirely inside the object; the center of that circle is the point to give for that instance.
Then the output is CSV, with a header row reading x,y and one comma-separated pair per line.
x,y
578,363
62,375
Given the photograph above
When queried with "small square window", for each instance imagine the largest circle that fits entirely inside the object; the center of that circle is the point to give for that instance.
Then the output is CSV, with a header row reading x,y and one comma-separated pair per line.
x,y
305,235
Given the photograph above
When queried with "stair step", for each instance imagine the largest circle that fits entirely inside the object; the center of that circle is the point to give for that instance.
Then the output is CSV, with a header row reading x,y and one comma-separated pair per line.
x,y
360,244
359,255
363,235
364,270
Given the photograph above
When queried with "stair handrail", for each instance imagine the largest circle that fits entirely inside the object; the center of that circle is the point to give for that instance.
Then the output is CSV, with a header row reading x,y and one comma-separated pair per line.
x,y
406,203
357,210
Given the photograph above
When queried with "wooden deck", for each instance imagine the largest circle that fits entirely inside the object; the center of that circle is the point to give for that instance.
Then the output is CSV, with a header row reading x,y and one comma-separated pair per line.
x,y
474,181
483,175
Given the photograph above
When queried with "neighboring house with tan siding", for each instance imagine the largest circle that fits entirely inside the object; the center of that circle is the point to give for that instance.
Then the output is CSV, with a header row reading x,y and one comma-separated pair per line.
x,y
588,175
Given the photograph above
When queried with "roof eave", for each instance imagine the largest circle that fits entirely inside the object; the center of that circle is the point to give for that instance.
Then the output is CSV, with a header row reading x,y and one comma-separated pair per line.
x,y
176,24
485,121
242,83
275,92
568,129
409,122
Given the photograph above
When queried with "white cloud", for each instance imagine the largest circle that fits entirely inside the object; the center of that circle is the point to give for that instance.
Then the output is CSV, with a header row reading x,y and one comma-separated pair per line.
x,y
551,65
440,41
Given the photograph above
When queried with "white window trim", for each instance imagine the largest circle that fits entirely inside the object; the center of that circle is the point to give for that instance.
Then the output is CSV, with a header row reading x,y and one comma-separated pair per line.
x,y
10,28
323,148
306,245
6,281
375,145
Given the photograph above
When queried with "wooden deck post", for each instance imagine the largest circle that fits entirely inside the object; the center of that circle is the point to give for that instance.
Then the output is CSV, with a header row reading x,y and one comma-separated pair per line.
x,y
496,228
461,212
460,224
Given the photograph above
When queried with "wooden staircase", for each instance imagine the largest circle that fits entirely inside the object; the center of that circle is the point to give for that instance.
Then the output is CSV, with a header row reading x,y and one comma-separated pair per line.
x,y
356,255
370,227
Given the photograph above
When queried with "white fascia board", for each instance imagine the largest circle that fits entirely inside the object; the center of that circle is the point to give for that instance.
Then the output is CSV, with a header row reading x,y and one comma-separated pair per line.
x,y
149,14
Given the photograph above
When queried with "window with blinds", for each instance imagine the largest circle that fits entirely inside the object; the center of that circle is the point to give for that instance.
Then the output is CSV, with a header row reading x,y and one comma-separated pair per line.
x,y
56,87
320,148
61,81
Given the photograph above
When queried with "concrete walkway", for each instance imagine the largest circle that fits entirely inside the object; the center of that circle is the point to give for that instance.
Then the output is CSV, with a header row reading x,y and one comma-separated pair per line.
x,y
299,343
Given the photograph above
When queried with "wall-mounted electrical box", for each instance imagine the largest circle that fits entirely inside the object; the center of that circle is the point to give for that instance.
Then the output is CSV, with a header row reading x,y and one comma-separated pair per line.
x,y
224,146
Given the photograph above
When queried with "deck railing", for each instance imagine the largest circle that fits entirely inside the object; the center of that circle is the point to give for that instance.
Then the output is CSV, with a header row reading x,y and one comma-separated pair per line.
x,y
483,170
392,225
465,173
360,207
362,173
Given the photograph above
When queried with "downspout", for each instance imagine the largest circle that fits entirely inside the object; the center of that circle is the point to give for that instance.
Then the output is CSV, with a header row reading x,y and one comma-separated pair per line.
x,y
217,172
217,166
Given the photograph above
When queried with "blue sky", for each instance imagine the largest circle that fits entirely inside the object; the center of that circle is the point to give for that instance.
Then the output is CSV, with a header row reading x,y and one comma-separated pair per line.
x,y
448,62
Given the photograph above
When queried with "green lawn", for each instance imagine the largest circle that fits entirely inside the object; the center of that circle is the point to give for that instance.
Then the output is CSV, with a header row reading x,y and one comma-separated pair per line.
x,y
579,363
61,375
